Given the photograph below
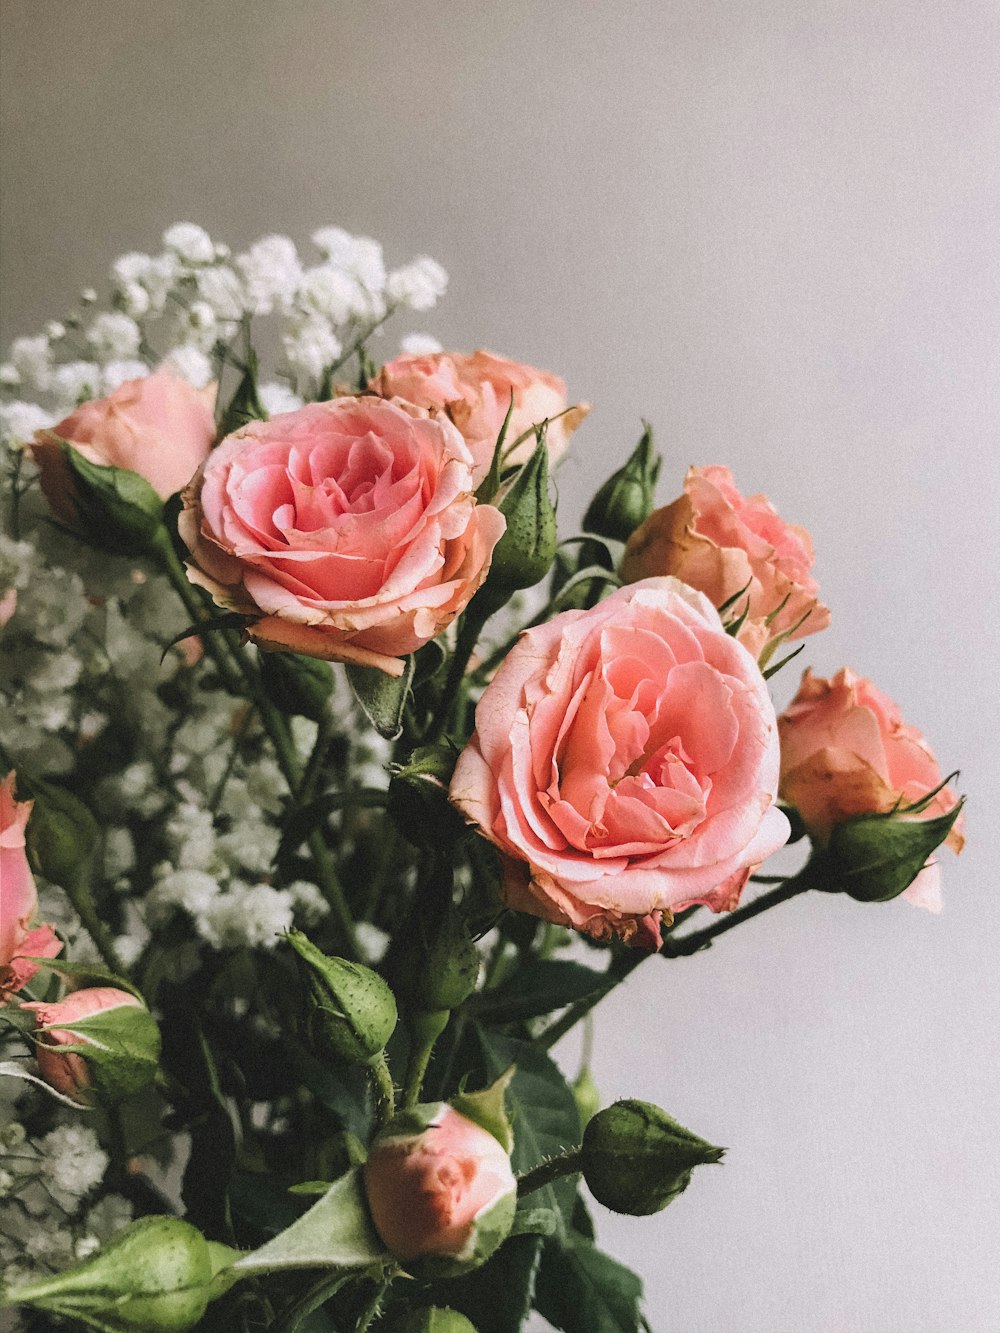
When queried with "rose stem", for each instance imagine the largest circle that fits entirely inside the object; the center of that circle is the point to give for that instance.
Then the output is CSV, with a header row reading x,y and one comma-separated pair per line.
x,y
672,948
566,1164
275,725
371,1309
382,1087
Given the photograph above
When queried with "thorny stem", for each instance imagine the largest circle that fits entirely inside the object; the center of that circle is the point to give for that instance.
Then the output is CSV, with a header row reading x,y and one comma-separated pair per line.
x,y
371,1309
382,1086
566,1164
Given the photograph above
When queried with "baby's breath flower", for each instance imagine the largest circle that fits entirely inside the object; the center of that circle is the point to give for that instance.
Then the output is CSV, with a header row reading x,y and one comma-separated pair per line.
x,y
418,284
311,348
117,373
271,272
419,344
277,398
191,364
73,1161
190,243
75,382
221,289
19,421
32,359
113,334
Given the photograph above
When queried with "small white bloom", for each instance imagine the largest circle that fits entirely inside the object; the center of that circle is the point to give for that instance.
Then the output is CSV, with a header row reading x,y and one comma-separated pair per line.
x,y
88,296
191,364
54,330
271,271
133,267
308,903
221,289
85,1247
277,398
190,243
418,284
419,344
108,1216
10,376
119,852
75,382
159,280
312,348
19,421
73,1161
192,890
330,293
373,941
251,845
113,334
361,256
135,299
91,725
32,358
117,373
247,916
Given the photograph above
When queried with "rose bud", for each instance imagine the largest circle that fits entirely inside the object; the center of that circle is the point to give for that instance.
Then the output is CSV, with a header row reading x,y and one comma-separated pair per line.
x,y
99,1042
63,835
352,1011
524,554
867,788
475,391
440,1189
636,1159
19,898
158,1275
625,764
346,530
159,428
736,550
626,498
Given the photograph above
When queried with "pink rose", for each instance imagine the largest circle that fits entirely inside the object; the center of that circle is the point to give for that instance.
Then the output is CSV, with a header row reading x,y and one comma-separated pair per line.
x,y
625,762
350,527
18,899
159,427
846,751
475,392
67,1071
721,542
427,1190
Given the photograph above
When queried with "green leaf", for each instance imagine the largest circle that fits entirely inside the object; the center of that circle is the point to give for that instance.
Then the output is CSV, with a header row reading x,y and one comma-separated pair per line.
x,y
497,1297
542,1110
382,697
536,988
336,1232
582,1290
490,484
875,857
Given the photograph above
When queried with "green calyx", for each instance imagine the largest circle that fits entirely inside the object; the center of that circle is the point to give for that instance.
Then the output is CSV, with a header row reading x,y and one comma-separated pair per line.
x,y
351,1012
874,858
636,1159
115,509
121,1047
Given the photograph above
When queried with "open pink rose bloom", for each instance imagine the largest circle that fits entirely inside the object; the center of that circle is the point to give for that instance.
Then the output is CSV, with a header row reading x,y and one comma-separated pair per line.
x,y
19,940
846,751
625,762
348,527
475,390
732,546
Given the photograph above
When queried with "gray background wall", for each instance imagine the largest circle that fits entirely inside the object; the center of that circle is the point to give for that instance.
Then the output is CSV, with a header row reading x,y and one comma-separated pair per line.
x,y
772,229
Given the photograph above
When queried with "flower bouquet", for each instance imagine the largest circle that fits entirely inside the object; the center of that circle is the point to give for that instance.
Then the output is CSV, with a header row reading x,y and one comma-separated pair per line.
x,y
339,788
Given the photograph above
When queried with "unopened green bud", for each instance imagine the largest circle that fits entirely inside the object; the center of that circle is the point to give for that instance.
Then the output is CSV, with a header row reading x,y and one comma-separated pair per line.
x,y
418,798
62,835
435,1319
626,498
525,552
586,1095
158,1275
636,1159
874,858
299,686
444,965
352,1012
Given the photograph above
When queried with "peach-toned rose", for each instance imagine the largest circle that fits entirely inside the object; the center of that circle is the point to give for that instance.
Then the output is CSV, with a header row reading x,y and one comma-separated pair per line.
x,y
67,1071
349,527
846,751
475,391
427,1190
18,899
720,542
159,427
625,763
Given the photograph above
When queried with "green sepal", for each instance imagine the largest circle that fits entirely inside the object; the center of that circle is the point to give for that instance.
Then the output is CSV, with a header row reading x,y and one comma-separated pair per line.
x,y
115,509
490,484
120,1045
488,1109
434,1319
336,1232
296,685
525,552
626,498
352,1012
89,972
228,620
874,858
245,404
636,1159
381,696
